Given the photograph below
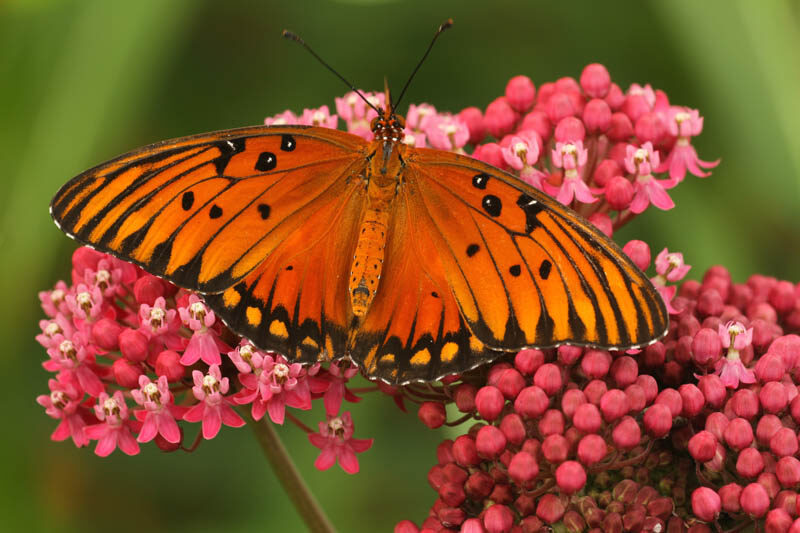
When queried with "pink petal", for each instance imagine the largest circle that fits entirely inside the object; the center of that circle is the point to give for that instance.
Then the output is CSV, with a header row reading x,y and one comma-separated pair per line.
x,y
89,381
360,445
168,428
229,416
276,409
258,410
62,431
348,460
126,442
149,429
333,398
318,440
326,459
106,444
195,413
658,196
95,431
212,421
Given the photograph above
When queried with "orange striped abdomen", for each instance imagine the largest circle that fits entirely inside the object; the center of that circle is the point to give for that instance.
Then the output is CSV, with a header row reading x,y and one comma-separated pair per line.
x,y
368,260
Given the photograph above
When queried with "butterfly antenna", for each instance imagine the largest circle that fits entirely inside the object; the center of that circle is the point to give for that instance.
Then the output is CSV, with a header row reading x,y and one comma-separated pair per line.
x,y
445,25
294,37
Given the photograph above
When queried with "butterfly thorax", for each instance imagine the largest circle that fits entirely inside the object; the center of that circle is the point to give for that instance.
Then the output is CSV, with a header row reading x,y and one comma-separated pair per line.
x,y
383,179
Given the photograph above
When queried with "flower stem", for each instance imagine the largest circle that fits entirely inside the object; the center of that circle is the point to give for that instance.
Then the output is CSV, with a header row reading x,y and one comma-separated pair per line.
x,y
302,499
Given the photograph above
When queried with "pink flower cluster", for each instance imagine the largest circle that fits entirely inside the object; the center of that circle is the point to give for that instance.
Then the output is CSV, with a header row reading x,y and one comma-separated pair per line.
x,y
118,338
585,438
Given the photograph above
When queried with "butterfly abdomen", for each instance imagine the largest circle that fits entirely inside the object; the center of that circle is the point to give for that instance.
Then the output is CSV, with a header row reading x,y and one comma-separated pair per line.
x,y
365,273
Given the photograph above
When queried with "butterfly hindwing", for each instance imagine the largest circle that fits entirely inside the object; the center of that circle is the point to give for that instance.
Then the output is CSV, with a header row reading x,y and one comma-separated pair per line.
x,y
204,211
525,270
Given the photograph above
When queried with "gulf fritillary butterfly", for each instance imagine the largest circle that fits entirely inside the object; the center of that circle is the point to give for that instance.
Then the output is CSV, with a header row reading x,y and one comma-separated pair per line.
x,y
416,263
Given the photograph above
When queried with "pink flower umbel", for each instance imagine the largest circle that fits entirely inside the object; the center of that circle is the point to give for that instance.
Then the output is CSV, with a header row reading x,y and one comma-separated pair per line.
x,y
272,385
647,189
214,408
115,428
203,344
62,403
684,123
160,413
335,439
730,369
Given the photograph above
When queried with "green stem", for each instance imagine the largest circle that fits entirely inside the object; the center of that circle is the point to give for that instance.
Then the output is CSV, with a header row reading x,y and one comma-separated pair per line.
x,y
302,499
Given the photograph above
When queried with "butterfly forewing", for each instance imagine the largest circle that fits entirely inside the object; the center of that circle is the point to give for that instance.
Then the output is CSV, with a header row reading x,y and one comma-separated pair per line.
x,y
525,270
204,211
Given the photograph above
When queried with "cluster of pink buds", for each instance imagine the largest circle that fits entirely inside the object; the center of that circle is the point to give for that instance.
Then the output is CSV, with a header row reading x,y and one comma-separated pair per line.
x,y
136,360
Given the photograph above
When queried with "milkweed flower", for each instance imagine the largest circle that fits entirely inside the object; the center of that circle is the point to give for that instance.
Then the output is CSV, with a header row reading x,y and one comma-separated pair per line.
x,y
214,408
336,442
115,428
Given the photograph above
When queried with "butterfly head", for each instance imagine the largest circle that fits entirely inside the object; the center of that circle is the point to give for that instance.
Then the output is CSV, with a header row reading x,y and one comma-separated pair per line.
x,y
388,126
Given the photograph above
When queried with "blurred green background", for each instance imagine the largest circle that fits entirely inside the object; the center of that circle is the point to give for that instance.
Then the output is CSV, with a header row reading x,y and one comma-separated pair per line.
x,y
82,81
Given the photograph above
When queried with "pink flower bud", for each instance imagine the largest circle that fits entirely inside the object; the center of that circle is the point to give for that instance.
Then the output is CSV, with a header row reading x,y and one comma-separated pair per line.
x,y
550,509
614,404
730,495
706,504
133,345
738,434
777,521
624,371
452,493
655,354
168,363
650,128
782,297
490,442
612,523
465,452
619,193
749,463
709,303
523,467
595,80
602,222
537,121
494,372
531,402
716,423
498,519
432,414
528,361
406,526
570,129
754,500
444,452
621,127
479,485
510,382
499,118
745,403
562,105
587,418
464,397
489,402
692,399
473,118
770,367
552,423
592,449
490,153
706,347
127,373
570,401
783,442
548,378
637,398
626,434
713,389
703,446
105,333
513,428
767,426
520,93
607,169
594,391
787,500
555,448
570,477
597,116
595,363
658,420
788,471
788,348
773,397
147,289
649,385
770,482
574,522
568,355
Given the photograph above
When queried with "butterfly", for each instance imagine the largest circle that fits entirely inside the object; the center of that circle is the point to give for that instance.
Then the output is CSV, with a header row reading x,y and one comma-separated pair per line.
x,y
415,263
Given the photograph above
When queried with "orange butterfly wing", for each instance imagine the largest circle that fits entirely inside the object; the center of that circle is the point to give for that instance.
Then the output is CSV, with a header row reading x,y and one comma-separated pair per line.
x,y
204,211
521,269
